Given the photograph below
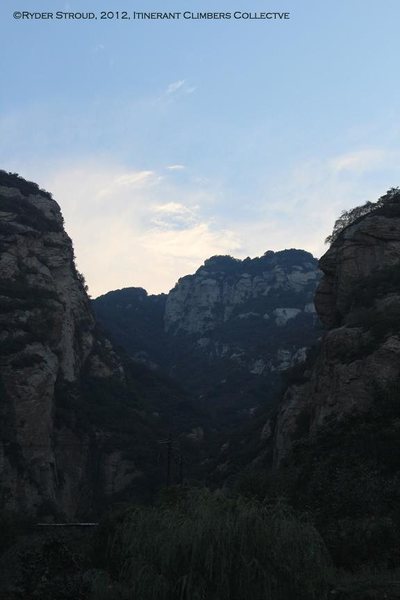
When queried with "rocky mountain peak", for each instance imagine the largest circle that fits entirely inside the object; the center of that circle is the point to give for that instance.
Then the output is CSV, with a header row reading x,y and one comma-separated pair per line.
x,y
358,299
225,332
66,399
43,297
370,243
224,285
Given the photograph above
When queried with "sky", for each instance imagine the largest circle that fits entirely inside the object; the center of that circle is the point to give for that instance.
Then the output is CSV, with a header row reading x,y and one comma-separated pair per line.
x,y
167,142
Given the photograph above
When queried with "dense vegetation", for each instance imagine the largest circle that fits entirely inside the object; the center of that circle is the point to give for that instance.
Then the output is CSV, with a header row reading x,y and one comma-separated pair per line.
x,y
349,217
24,186
207,545
192,545
233,266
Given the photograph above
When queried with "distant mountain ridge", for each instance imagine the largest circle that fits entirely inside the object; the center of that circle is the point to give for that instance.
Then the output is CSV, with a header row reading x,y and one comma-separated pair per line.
x,y
227,331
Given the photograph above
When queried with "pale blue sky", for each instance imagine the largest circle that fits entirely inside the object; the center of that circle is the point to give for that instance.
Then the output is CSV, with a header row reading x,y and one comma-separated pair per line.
x,y
166,142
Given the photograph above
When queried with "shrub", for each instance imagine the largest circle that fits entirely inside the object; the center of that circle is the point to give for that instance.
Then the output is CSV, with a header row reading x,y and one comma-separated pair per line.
x,y
348,217
209,546
25,187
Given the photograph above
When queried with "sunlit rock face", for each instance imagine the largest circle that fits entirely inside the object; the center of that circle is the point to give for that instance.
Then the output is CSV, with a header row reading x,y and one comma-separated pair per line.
x,y
51,358
358,299
225,289
249,312
227,331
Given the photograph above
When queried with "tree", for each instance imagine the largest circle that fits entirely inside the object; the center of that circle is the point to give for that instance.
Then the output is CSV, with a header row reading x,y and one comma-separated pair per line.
x,y
348,217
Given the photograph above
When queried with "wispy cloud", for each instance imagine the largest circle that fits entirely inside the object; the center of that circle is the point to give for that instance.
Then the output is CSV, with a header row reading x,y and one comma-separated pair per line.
x,y
175,90
174,208
144,231
191,243
131,180
298,208
174,87
174,215
181,86
360,160
134,178
147,227
175,167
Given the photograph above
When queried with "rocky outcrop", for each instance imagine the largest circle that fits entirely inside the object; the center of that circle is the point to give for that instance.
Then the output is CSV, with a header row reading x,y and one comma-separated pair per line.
x,y
364,247
62,386
227,331
225,288
358,299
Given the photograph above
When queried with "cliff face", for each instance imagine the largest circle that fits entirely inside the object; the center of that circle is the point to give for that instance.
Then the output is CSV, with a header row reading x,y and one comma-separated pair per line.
x,y
226,332
358,299
276,288
73,434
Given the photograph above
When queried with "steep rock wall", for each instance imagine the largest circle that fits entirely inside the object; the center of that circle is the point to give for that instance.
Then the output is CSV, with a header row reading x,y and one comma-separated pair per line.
x,y
53,452
358,299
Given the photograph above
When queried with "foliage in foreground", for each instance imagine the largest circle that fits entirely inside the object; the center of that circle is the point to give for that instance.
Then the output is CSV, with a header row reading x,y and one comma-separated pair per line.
x,y
207,546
